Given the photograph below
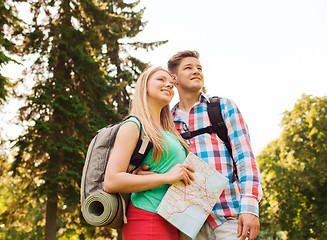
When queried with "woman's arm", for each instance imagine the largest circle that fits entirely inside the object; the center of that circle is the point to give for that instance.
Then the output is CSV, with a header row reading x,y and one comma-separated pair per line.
x,y
118,180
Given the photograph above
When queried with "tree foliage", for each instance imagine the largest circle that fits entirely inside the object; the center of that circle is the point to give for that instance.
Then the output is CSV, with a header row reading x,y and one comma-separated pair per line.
x,y
21,216
10,28
82,75
293,169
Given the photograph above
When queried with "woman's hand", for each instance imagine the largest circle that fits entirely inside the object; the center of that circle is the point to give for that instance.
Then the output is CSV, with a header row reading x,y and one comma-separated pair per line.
x,y
143,170
180,172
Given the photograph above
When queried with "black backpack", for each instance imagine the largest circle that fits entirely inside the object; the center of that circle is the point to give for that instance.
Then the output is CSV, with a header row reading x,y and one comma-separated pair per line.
x,y
98,207
217,126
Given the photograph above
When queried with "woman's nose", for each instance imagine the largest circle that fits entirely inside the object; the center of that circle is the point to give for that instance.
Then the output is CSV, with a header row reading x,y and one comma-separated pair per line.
x,y
169,85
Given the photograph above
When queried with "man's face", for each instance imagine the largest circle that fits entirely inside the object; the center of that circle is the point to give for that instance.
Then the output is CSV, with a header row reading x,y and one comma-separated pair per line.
x,y
189,76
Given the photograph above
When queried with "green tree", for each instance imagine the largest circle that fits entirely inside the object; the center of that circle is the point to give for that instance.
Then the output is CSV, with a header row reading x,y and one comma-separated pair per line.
x,y
293,169
10,28
21,218
82,75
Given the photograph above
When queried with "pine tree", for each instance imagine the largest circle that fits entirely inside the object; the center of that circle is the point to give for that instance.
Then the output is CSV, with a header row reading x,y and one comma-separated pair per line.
x,y
82,76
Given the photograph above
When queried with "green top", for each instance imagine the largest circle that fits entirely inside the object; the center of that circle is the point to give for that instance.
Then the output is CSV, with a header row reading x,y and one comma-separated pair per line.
x,y
149,200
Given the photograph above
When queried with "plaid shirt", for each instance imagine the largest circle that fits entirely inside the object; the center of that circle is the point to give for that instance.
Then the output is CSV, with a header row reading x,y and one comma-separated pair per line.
x,y
243,195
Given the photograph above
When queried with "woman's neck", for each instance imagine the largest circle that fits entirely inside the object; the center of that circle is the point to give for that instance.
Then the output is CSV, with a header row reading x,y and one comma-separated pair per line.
x,y
155,112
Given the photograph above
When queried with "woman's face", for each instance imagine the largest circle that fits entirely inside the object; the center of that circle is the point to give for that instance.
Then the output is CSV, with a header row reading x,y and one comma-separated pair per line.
x,y
160,88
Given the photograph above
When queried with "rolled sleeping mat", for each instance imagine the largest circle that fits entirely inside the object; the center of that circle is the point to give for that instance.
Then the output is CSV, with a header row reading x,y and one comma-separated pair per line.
x,y
105,209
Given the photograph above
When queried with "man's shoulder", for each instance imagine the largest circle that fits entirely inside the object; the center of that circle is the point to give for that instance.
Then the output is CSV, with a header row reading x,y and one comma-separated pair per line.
x,y
218,97
222,101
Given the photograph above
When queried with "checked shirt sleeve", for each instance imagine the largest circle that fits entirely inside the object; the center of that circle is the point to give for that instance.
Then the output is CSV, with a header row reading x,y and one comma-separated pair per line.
x,y
247,168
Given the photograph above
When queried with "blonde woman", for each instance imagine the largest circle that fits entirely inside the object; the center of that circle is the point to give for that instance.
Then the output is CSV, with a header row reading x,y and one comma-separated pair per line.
x,y
153,92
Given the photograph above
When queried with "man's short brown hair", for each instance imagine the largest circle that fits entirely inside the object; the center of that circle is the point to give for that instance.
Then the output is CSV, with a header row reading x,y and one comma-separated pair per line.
x,y
175,60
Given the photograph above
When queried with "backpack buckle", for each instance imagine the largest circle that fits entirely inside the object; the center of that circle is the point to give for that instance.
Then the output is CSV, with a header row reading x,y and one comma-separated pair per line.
x,y
145,143
186,135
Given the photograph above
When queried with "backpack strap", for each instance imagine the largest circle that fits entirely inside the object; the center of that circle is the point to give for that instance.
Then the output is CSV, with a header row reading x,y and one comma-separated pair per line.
x,y
219,127
188,135
142,148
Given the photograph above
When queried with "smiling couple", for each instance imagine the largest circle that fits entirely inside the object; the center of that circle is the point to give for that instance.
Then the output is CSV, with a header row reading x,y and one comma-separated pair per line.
x,y
236,214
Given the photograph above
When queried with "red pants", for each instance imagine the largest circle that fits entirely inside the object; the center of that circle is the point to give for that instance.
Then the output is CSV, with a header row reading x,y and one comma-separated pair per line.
x,y
144,225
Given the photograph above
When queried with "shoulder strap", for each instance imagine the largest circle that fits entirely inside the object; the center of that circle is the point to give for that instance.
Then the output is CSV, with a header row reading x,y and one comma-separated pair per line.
x,y
142,148
219,127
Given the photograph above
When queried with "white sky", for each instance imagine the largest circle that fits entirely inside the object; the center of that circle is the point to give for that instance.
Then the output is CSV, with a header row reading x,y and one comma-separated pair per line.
x,y
261,54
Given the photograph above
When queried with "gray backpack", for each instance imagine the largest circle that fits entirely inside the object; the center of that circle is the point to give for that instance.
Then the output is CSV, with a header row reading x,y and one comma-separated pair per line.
x,y
98,207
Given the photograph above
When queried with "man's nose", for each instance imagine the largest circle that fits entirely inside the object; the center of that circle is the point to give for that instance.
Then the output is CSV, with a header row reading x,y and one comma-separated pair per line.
x,y
196,70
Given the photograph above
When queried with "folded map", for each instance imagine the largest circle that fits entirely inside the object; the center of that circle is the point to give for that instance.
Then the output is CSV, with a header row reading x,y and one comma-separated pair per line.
x,y
187,207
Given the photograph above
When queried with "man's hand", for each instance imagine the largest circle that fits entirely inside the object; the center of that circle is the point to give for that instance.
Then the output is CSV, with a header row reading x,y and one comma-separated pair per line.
x,y
143,170
248,226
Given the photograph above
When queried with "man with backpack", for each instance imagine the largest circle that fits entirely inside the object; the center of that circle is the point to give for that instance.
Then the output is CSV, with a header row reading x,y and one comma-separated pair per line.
x,y
236,214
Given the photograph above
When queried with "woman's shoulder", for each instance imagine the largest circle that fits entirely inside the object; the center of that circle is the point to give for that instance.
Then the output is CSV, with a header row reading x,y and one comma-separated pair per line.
x,y
129,129
132,121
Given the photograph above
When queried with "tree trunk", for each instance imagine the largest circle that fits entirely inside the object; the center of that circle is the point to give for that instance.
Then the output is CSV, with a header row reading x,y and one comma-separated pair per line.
x,y
51,217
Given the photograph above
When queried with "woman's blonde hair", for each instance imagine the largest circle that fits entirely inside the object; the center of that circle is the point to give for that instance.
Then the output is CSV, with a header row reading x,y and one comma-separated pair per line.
x,y
141,109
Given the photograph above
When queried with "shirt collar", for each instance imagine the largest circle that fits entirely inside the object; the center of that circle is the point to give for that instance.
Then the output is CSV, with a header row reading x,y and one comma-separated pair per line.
x,y
202,98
